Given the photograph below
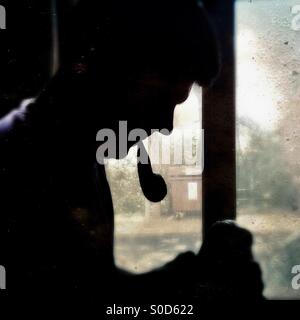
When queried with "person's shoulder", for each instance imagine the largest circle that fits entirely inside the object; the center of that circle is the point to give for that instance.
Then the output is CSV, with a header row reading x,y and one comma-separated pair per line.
x,y
14,119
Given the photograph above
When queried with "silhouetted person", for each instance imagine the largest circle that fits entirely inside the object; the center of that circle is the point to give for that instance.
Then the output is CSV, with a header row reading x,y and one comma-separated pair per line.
x,y
122,60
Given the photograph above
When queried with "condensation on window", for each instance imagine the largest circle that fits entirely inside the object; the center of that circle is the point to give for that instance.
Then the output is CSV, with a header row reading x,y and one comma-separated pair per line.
x,y
148,235
268,137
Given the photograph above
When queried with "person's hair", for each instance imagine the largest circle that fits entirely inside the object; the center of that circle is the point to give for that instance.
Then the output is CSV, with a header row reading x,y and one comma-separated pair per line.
x,y
174,37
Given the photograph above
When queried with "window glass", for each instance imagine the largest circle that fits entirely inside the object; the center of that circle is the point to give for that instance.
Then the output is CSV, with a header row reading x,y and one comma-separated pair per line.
x,y
148,235
268,137
192,191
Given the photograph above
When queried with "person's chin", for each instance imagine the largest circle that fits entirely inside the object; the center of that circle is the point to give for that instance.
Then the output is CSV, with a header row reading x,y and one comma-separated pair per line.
x,y
163,124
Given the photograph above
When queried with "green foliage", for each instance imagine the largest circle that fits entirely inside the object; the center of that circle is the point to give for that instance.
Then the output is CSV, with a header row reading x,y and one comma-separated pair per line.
x,y
264,172
128,198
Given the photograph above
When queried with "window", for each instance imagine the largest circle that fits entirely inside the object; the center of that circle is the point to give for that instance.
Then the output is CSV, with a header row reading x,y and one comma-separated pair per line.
x,y
259,140
268,140
148,235
192,191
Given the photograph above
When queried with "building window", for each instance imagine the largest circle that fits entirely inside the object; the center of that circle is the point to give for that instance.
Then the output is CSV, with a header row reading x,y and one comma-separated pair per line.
x,y
192,191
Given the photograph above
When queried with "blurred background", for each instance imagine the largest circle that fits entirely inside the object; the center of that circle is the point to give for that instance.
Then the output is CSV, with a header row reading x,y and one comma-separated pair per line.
x,y
268,136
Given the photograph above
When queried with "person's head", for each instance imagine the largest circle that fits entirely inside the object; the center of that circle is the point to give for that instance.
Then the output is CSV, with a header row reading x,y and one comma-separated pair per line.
x,y
141,56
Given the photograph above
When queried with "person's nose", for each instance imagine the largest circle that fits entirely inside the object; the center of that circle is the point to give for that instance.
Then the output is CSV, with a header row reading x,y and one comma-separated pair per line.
x,y
182,91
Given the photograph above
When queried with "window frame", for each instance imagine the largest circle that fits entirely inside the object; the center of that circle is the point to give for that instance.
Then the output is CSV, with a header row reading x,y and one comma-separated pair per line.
x,y
219,119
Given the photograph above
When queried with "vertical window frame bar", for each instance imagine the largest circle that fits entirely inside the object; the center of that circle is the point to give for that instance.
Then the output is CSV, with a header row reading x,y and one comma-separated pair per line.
x,y
219,176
